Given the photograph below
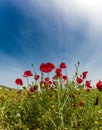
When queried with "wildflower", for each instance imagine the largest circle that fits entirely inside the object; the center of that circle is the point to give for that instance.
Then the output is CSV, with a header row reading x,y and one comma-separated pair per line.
x,y
58,70
81,103
63,65
79,80
99,85
27,73
47,79
88,84
50,82
48,67
36,77
42,82
65,77
84,74
31,89
59,75
96,122
19,81
51,65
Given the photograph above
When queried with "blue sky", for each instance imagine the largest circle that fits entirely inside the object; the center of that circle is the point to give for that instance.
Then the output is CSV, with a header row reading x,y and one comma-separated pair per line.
x,y
37,31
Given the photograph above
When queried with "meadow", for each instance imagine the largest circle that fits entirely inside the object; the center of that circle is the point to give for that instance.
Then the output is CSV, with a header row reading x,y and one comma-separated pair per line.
x,y
60,104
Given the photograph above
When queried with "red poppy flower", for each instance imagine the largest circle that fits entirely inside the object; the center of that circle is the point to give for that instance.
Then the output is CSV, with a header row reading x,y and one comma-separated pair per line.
x,y
51,65
27,73
63,65
36,77
59,75
99,85
84,74
79,80
19,81
47,79
81,104
87,84
31,89
65,77
58,70
50,82
48,67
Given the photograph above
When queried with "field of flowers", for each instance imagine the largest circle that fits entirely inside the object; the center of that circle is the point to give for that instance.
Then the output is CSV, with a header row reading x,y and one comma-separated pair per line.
x,y
52,103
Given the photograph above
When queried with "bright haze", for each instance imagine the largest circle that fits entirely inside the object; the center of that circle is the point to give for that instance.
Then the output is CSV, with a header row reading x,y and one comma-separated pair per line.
x,y
40,31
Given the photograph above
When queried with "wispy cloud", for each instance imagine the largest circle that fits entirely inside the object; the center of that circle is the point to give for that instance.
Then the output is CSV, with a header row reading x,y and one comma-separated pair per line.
x,y
9,70
58,29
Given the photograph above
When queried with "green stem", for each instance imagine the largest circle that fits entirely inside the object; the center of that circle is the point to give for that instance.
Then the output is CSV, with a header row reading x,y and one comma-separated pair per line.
x,y
33,68
42,76
17,86
27,82
66,74
55,126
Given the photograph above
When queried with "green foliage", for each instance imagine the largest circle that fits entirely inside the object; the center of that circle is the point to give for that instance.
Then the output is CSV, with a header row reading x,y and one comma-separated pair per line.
x,y
59,109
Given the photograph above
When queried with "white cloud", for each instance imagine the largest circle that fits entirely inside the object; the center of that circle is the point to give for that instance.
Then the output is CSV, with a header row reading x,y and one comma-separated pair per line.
x,y
9,70
85,8
76,14
90,13
8,76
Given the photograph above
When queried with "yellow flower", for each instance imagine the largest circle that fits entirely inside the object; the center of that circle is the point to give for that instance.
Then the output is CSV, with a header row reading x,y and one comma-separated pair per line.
x,y
96,129
96,122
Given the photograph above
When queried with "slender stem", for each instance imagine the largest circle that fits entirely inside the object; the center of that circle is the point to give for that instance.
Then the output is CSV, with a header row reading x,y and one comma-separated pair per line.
x,y
33,68
27,82
48,75
66,74
34,71
17,86
42,76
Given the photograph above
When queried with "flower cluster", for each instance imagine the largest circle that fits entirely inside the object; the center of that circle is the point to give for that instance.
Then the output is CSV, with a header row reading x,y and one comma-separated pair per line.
x,y
83,76
60,78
